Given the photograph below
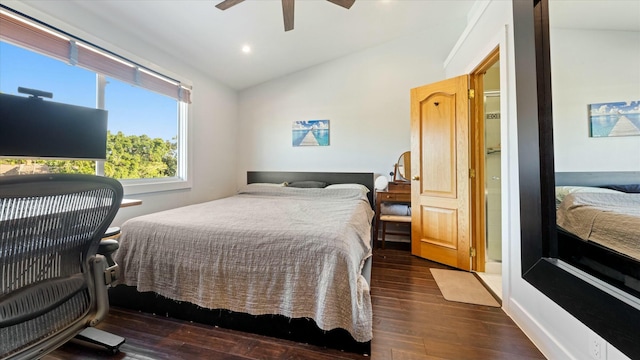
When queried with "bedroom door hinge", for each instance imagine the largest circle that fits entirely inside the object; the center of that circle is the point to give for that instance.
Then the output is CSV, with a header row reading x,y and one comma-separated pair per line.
x,y
472,93
472,251
472,173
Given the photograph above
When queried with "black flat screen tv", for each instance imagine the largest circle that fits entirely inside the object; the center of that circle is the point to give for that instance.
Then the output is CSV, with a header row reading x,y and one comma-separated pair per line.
x,y
32,127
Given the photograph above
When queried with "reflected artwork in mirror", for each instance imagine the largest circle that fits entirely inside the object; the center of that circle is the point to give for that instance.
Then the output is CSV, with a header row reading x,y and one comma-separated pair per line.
x,y
403,167
562,66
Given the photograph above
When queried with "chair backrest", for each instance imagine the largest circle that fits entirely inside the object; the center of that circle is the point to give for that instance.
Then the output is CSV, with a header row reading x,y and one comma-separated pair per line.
x,y
50,229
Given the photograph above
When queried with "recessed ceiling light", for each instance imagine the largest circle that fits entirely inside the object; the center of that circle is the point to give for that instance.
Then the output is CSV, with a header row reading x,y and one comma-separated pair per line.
x,y
246,49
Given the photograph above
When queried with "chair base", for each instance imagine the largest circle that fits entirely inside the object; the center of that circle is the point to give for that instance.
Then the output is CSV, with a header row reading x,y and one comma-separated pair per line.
x,y
96,336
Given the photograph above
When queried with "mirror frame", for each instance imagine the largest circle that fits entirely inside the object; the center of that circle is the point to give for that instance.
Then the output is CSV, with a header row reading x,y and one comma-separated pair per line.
x,y
396,171
586,298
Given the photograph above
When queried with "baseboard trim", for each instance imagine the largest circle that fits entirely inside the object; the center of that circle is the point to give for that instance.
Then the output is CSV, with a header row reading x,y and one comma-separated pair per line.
x,y
541,338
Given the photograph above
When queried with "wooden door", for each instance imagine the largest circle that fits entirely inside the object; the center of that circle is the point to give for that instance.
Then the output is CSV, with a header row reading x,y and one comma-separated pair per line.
x,y
440,202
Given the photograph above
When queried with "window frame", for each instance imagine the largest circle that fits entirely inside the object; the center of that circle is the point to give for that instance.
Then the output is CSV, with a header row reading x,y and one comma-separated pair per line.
x,y
182,180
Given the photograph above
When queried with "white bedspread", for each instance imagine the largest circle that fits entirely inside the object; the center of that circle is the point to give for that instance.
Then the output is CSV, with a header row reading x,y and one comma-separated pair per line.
x,y
268,250
609,219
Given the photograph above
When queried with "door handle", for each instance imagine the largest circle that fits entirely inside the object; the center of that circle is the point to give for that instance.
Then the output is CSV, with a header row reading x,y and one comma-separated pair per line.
x,y
416,177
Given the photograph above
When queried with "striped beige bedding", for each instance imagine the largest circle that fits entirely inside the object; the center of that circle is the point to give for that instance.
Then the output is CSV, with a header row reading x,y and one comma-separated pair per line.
x,y
267,250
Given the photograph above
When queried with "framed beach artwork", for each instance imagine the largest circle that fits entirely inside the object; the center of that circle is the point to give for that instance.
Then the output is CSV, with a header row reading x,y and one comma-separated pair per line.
x,y
310,133
614,119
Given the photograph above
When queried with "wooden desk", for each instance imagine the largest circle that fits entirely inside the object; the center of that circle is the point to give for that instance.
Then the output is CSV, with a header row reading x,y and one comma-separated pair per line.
x,y
114,231
130,202
397,192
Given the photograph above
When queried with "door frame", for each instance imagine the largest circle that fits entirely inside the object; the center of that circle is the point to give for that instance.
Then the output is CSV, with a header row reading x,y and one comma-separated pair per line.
x,y
477,160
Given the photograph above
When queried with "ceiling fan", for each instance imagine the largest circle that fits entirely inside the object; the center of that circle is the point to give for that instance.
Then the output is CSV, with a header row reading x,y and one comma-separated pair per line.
x,y
287,8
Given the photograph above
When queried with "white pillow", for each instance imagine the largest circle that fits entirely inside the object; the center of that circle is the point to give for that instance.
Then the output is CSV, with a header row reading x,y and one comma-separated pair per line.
x,y
562,191
360,187
269,184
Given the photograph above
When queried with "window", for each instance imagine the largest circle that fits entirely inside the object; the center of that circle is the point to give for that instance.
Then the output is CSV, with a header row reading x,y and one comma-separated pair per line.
x,y
143,133
147,112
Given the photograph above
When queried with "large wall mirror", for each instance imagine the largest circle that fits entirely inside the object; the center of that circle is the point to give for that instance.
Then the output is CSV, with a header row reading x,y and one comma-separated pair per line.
x,y
574,61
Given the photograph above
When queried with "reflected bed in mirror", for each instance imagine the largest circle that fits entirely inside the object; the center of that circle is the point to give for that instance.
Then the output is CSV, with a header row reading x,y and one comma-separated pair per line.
x,y
598,217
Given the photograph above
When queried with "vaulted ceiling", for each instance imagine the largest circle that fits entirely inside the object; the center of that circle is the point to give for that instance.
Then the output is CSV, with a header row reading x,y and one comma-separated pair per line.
x,y
211,40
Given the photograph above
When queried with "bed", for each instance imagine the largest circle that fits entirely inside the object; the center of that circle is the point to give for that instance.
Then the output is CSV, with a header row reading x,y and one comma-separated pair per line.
x,y
609,219
598,219
283,261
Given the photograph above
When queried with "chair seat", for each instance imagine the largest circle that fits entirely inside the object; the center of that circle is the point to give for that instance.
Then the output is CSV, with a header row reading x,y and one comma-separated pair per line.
x,y
396,218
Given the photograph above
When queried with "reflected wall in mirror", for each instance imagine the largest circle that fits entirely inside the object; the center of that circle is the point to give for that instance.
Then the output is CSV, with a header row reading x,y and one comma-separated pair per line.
x,y
595,58
403,167
611,311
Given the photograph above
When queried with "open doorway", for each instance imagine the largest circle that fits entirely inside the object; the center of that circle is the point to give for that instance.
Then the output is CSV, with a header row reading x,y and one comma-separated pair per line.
x,y
486,160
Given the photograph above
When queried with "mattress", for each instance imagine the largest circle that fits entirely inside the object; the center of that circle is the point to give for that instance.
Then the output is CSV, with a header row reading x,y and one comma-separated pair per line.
x,y
267,250
609,219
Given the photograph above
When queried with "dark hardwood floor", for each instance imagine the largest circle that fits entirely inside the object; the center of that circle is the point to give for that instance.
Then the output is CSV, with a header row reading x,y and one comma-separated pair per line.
x,y
411,321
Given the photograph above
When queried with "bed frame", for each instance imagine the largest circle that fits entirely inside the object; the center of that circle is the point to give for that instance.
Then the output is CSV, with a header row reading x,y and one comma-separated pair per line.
x,y
593,258
300,330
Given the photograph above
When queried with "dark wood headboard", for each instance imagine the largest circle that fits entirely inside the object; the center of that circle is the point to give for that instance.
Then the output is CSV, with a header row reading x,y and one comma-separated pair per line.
x,y
365,179
598,178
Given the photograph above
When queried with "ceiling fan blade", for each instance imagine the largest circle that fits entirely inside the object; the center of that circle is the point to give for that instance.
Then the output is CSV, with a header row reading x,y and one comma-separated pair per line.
x,y
287,14
228,3
344,3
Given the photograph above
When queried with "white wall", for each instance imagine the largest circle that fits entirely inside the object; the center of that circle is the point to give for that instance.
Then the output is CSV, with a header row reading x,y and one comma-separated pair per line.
x,y
556,333
364,95
592,66
212,121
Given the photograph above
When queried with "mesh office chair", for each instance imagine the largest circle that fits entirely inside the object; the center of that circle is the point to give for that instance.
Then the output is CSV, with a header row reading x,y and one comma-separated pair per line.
x,y
53,284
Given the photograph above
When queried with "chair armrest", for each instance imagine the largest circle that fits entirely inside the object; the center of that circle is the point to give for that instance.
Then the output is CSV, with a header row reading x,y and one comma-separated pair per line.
x,y
106,248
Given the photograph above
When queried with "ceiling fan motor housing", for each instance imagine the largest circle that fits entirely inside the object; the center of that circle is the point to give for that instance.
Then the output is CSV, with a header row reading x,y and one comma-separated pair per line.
x,y
288,7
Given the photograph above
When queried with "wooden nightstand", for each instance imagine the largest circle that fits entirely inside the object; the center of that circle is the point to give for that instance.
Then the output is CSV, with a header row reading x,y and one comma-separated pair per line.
x,y
397,192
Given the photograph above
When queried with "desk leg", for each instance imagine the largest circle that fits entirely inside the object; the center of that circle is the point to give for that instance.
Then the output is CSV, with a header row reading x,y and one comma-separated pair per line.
x,y
376,222
375,231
